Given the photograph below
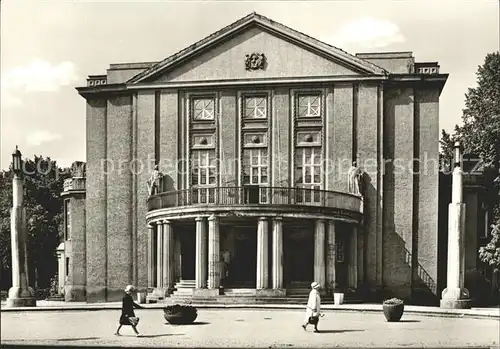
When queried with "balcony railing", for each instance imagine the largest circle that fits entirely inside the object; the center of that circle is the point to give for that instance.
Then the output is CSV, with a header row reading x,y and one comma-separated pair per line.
x,y
254,195
71,184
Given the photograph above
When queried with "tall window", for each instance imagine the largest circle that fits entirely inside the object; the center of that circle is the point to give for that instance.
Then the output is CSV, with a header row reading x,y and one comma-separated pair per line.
x,y
255,171
203,108
67,220
308,174
255,107
309,105
203,176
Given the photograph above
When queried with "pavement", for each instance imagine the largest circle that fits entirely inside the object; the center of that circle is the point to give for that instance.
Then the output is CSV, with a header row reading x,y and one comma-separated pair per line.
x,y
268,328
480,313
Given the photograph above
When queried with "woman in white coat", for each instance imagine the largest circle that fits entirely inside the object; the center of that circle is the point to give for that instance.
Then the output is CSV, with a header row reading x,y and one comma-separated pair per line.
x,y
313,307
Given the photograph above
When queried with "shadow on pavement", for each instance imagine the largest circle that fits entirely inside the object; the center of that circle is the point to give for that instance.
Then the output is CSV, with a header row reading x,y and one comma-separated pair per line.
x,y
191,324
77,339
409,321
160,335
338,331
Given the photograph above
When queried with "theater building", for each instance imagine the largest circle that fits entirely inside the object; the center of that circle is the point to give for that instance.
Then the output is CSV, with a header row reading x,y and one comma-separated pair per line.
x,y
254,130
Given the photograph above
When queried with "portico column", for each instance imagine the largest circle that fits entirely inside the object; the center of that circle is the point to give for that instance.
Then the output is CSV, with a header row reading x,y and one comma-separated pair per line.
x,y
213,253
319,252
201,257
353,260
159,256
331,257
151,247
262,253
168,257
277,253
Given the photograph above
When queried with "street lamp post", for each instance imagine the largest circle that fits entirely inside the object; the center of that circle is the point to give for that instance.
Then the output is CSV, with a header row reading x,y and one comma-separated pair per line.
x,y
20,294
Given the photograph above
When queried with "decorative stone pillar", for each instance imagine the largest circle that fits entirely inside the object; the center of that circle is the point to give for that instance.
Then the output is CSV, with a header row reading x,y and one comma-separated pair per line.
x,y
331,279
61,268
20,294
159,258
151,261
262,253
455,295
277,253
319,252
353,258
201,257
168,257
213,253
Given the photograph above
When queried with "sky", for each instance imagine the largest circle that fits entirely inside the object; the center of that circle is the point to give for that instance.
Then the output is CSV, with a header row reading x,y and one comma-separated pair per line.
x,y
50,47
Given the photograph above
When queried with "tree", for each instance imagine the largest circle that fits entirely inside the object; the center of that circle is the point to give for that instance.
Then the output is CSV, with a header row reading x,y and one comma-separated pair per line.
x,y
43,181
480,135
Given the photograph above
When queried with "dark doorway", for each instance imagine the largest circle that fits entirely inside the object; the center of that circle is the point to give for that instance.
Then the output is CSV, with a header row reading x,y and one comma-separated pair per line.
x,y
243,268
298,251
342,258
188,252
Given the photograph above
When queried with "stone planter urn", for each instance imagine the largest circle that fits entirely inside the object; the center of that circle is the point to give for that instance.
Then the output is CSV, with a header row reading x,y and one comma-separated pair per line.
x,y
180,314
393,309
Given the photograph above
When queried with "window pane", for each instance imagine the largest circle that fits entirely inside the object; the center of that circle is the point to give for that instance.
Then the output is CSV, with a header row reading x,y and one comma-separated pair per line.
x,y
263,171
298,175
255,179
255,171
246,179
263,180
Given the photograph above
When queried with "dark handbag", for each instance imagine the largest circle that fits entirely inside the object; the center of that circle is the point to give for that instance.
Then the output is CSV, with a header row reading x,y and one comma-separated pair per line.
x,y
133,320
313,320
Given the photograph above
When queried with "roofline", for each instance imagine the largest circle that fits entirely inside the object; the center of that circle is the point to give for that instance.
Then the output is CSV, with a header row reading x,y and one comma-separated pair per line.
x,y
254,18
439,79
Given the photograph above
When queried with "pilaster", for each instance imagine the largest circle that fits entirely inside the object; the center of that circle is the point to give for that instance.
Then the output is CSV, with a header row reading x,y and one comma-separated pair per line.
x,y
213,253
168,257
201,266
331,257
151,246
277,253
159,257
319,252
262,253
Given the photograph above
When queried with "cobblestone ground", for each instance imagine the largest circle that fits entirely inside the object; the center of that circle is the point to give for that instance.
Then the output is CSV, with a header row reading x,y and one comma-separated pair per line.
x,y
245,328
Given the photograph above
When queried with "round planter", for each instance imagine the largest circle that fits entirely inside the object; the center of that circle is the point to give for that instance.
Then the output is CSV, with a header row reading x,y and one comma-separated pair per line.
x,y
393,312
180,315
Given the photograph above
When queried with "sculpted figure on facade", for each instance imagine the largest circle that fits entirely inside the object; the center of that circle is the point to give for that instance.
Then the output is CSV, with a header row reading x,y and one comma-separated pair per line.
x,y
354,179
154,181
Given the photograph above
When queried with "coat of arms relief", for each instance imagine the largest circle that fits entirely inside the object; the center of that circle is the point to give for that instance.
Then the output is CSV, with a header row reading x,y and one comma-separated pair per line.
x,y
255,61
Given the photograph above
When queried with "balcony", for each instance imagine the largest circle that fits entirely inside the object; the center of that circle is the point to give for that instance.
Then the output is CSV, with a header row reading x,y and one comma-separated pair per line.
x,y
73,185
254,198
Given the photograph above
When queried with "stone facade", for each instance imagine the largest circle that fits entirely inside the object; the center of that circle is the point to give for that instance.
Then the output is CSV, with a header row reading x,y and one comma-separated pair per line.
x,y
373,109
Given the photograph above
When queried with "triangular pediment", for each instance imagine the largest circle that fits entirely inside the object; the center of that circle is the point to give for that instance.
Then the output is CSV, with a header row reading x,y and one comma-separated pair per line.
x,y
287,53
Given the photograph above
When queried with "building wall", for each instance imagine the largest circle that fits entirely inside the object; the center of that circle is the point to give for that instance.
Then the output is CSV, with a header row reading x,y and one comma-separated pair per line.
x,y
75,284
226,61
95,202
362,121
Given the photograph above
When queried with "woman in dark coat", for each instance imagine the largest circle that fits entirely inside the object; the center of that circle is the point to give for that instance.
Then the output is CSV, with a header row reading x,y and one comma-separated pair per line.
x,y
128,317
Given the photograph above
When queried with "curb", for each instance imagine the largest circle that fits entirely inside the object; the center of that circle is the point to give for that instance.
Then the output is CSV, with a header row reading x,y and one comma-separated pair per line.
x,y
435,312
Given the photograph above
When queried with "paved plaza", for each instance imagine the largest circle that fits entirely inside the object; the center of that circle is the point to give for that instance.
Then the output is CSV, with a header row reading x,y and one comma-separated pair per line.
x,y
245,328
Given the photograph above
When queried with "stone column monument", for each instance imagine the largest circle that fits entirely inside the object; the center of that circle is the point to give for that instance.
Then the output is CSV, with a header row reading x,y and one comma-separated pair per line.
x,y
455,296
20,294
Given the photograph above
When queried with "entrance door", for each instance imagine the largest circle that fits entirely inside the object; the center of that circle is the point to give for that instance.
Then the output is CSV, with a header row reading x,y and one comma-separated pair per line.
x,y
243,268
188,253
298,250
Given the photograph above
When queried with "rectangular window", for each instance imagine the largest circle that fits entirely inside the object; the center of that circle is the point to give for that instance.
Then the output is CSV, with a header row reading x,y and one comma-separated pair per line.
x,y
309,105
67,266
308,174
203,180
255,107
203,108
67,220
255,171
